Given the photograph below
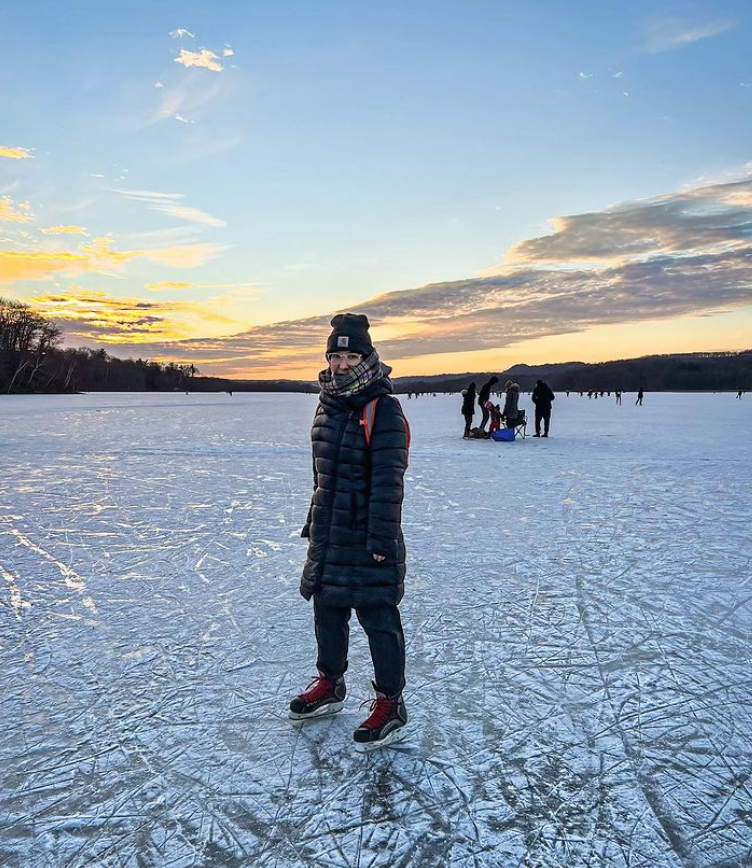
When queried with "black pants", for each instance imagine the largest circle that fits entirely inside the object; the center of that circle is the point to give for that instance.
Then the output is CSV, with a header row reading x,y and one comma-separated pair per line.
x,y
484,418
542,414
383,627
468,422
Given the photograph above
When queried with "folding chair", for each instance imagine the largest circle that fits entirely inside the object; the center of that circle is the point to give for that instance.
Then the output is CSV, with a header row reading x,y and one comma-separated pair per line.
x,y
520,426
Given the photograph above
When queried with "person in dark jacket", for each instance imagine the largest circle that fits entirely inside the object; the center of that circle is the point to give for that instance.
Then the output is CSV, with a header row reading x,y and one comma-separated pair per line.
x,y
511,404
542,397
468,407
483,396
356,551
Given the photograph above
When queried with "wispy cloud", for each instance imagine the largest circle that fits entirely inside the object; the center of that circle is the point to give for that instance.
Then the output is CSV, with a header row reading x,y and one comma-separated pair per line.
x,y
146,195
65,230
15,153
169,285
204,59
167,203
672,33
236,290
187,100
97,257
185,255
14,212
180,33
193,215
36,264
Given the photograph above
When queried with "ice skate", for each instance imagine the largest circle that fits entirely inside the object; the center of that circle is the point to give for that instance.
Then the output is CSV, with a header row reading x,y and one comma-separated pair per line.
x,y
322,698
386,724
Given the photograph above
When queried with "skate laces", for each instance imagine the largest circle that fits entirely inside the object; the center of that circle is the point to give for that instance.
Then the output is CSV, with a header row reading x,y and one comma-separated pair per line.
x,y
319,687
382,710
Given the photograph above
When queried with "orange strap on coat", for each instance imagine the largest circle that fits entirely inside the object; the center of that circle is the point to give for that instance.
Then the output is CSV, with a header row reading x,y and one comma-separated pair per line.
x,y
368,418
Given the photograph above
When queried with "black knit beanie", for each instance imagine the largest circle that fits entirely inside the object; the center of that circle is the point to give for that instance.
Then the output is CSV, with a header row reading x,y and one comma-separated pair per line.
x,y
350,334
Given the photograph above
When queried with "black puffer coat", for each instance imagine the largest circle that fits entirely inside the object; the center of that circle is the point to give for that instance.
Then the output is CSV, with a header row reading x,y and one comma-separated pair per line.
x,y
485,391
542,396
468,401
356,510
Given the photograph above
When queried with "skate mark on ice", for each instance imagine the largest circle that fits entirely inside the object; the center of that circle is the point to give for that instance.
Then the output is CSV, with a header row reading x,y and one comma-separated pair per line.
x,y
72,579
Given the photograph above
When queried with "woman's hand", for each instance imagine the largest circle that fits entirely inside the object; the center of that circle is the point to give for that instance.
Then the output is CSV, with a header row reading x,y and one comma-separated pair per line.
x,y
379,558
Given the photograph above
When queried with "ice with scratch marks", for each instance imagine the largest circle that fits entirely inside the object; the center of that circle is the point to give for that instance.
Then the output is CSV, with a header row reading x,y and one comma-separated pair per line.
x,y
578,617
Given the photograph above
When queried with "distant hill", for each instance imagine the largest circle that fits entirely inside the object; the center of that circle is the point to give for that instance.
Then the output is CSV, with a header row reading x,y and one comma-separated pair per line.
x,y
667,373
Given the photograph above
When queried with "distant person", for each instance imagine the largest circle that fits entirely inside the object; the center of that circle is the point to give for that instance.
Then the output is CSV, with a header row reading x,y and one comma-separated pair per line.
x,y
468,408
618,397
483,396
542,397
739,395
356,552
640,396
494,411
511,404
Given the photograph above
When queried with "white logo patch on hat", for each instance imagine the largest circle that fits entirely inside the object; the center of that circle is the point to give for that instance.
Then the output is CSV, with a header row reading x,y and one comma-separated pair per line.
x,y
343,340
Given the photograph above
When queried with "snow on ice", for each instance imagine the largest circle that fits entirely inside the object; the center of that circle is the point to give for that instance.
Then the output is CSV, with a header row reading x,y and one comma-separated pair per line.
x,y
578,617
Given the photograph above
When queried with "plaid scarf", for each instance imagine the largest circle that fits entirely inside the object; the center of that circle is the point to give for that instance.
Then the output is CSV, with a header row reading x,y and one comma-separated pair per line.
x,y
356,379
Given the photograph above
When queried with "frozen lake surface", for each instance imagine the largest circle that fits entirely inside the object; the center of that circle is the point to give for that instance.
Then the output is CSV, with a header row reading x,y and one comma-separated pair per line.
x,y
578,617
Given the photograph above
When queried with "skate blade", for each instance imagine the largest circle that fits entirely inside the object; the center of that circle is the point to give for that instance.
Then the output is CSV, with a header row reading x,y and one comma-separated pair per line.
x,y
325,711
395,736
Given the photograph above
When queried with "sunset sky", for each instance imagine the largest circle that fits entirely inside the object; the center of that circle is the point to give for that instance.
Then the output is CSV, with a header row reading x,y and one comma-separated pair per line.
x,y
491,181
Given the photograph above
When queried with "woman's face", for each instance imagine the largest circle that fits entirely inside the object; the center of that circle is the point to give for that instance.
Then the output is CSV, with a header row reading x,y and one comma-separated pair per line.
x,y
340,363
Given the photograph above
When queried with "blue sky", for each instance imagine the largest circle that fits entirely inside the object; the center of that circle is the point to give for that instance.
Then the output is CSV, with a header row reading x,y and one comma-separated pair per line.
x,y
349,149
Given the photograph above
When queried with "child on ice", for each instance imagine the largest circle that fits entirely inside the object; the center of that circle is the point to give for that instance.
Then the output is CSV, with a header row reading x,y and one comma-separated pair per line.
x,y
495,411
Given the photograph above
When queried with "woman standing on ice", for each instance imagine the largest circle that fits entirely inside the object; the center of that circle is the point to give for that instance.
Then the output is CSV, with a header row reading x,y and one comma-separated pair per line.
x,y
511,404
356,552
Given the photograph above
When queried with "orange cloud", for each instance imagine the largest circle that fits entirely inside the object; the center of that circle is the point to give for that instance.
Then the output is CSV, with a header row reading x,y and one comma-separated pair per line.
x,y
184,255
20,265
65,230
101,252
14,212
168,284
96,257
15,153
96,316
204,58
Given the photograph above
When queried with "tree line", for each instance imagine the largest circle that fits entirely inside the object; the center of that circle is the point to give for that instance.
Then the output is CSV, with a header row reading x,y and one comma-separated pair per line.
x,y
31,360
